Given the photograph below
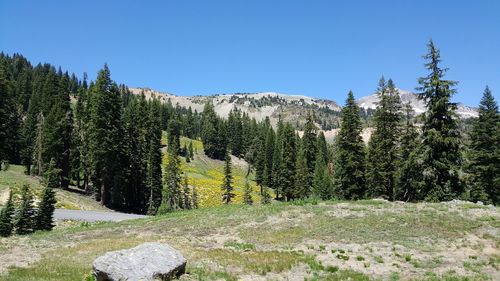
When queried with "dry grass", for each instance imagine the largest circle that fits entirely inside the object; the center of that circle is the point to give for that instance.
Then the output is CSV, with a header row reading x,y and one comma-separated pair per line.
x,y
283,242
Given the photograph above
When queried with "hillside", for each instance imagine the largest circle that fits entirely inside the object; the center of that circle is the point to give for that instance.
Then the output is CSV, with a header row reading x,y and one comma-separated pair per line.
x,y
332,240
14,178
291,108
206,175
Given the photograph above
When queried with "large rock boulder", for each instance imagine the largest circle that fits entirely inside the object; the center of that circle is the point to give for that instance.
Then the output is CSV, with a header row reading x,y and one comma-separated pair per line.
x,y
148,261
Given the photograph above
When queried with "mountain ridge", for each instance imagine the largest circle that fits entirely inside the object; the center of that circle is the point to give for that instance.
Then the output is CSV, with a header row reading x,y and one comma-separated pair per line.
x,y
292,108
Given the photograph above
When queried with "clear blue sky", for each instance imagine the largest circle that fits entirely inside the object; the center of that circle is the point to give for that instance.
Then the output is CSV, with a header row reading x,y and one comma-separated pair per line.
x,y
316,48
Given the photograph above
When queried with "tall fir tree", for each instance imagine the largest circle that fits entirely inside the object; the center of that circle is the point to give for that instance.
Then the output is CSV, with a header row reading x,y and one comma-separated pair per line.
x,y
383,147
287,161
105,135
350,166
154,177
213,133
44,216
322,182
7,114
440,150
173,186
268,155
7,217
309,145
302,188
227,183
484,163
24,218
408,175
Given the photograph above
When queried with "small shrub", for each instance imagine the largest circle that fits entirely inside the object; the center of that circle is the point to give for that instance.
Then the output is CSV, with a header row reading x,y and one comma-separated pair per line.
x,y
360,258
342,257
379,259
407,257
239,246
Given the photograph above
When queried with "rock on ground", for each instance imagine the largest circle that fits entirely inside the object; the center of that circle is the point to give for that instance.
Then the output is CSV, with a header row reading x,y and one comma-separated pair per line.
x,y
148,261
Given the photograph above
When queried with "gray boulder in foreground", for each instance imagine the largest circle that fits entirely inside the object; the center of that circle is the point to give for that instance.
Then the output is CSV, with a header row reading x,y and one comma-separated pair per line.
x,y
148,261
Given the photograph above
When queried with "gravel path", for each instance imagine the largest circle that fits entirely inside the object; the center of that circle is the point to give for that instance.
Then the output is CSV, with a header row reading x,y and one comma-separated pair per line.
x,y
92,216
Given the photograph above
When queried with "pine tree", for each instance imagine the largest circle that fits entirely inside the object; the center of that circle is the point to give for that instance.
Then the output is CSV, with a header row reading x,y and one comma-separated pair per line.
x,y
190,149
247,195
260,160
154,177
6,217
46,207
186,194
302,188
288,159
227,184
485,152
265,197
350,166
277,156
105,135
322,184
187,156
194,198
24,219
213,133
382,158
268,156
309,146
440,150
7,113
173,180
408,174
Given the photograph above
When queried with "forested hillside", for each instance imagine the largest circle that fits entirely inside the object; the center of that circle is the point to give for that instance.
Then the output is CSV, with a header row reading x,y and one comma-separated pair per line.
x,y
107,141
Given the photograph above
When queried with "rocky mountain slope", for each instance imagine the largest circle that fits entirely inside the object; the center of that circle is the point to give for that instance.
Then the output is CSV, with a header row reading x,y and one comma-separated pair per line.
x,y
291,108
370,102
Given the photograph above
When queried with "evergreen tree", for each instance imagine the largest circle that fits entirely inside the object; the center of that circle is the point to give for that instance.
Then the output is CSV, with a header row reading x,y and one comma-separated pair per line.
x,y
322,147
186,193
277,155
309,146
6,217
350,166
440,151
213,133
105,135
260,160
247,195
235,132
302,187
7,114
46,207
190,149
383,145
485,152
24,219
227,184
268,156
173,180
288,159
187,156
194,198
408,175
154,177
265,197
322,184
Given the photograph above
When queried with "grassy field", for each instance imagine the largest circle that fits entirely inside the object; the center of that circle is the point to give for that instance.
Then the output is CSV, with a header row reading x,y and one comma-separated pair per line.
x,y
207,174
364,240
14,178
